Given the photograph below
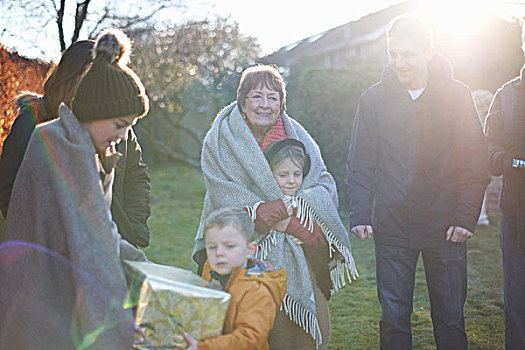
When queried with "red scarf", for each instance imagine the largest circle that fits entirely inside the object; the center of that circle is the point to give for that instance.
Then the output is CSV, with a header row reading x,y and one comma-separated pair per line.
x,y
275,133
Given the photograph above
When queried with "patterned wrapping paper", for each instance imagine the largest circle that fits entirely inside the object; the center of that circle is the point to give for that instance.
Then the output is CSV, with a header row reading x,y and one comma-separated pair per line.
x,y
173,300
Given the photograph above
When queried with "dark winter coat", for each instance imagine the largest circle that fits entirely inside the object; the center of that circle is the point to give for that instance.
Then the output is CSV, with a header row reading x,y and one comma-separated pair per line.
x,y
501,140
416,167
131,191
507,110
15,144
130,207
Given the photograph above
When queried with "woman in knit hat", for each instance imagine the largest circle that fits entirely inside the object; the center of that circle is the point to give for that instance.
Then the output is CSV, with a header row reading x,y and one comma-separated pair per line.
x,y
63,284
130,207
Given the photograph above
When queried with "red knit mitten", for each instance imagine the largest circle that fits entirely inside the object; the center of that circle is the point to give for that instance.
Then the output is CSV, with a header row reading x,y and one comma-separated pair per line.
x,y
268,214
297,230
318,259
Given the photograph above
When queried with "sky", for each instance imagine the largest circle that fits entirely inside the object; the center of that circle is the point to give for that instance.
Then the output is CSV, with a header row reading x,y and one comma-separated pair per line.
x,y
277,23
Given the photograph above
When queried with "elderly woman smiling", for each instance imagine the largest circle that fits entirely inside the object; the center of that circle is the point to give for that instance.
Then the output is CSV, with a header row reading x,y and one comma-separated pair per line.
x,y
262,106
237,174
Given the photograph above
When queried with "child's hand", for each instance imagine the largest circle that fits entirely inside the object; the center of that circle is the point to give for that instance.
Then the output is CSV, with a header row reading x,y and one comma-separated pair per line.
x,y
290,205
192,343
296,240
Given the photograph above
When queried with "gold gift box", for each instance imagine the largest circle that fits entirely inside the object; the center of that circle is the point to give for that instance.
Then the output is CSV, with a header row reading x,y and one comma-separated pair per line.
x,y
173,300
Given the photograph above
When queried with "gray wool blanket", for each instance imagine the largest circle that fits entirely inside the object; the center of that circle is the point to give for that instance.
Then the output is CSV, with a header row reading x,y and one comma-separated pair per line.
x,y
63,286
238,175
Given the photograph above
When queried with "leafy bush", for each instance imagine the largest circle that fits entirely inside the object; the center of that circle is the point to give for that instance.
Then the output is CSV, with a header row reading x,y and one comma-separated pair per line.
x,y
324,101
190,72
17,74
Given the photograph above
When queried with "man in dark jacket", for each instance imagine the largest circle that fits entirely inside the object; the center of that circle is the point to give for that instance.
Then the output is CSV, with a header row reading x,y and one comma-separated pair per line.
x,y
505,133
417,174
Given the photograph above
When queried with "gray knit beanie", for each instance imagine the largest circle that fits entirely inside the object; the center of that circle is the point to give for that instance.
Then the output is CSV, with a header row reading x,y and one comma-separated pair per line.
x,y
110,89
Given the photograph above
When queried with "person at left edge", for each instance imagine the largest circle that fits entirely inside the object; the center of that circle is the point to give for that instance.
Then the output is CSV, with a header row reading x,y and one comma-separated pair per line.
x,y
130,207
62,253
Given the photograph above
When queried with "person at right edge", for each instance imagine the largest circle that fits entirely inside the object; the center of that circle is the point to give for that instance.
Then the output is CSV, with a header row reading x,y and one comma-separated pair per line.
x,y
418,162
505,135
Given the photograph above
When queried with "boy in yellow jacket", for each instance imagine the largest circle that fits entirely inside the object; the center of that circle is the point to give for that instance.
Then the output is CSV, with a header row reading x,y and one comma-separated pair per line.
x,y
257,289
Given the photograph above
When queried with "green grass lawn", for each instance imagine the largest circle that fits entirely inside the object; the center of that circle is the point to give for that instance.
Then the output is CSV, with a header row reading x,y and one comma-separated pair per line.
x,y
177,196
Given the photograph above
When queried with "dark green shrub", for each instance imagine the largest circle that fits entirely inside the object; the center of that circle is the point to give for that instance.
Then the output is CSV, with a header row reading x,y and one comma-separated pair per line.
x,y
324,101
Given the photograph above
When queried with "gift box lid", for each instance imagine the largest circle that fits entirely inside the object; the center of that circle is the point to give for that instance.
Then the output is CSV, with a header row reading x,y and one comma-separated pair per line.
x,y
159,272
166,276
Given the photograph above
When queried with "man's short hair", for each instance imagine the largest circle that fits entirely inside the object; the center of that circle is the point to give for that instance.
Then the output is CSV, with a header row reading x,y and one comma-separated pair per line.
x,y
412,28
236,217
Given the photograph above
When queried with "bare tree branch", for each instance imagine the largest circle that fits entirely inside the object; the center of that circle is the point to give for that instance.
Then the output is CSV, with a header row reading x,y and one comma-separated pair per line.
x,y
73,19
60,24
53,2
102,19
80,17
131,21
51,12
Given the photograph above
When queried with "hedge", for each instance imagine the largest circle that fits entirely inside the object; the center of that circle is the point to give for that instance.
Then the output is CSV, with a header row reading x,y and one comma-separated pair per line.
x,y
17,74
324,101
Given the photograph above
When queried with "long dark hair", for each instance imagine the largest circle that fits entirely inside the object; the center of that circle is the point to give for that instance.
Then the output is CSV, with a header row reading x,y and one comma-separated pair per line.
x,y
62,83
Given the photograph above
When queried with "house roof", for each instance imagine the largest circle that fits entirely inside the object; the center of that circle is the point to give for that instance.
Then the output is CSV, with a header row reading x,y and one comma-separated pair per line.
x,y
367,29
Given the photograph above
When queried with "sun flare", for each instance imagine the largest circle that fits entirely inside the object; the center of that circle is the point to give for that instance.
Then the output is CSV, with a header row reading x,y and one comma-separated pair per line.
x,y
461,16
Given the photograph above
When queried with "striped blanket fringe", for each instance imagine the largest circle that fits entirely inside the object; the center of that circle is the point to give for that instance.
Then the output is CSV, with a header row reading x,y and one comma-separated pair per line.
x,y
303,318
307,217
295,311
340,272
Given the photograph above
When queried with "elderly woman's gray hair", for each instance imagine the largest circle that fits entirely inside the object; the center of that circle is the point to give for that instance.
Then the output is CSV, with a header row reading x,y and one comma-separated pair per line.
x,y
261,75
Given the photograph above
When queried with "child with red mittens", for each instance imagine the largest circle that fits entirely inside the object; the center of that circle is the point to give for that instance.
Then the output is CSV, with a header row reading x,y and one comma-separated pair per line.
x,y
297,240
